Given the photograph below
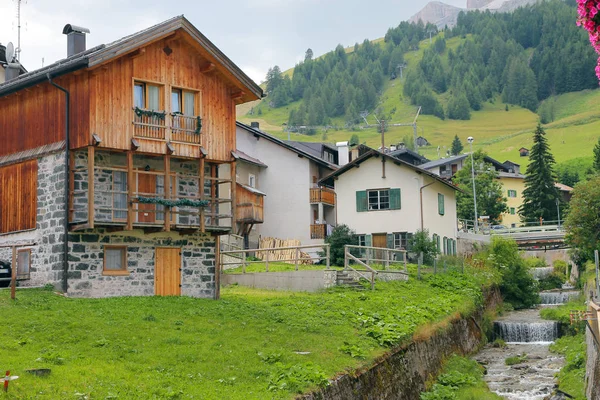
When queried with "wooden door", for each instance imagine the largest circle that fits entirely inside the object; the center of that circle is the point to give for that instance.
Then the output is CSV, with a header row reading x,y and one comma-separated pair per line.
x,y
379,240
146,186
167,271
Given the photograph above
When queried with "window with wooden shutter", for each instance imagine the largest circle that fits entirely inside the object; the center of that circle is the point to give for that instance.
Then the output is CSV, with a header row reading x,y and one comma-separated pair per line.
x,y
18,196
361,201
395,200
441,209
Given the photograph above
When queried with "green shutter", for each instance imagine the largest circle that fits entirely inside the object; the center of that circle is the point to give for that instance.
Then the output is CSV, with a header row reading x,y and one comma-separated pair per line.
x,y
441,204
445,245
438,243
395,202
368,240
390,240
409,237
361,201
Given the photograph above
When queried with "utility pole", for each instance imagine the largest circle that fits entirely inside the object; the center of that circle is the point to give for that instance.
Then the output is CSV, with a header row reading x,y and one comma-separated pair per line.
x,y
382,123
401,68
18,49
431,32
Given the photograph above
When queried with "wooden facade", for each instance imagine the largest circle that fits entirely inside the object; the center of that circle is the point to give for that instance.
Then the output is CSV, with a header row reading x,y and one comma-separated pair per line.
x,y
18,197
249,205
105,116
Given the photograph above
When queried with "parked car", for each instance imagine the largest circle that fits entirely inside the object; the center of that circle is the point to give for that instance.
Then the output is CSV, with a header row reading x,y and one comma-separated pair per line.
x,y
5,274
498,227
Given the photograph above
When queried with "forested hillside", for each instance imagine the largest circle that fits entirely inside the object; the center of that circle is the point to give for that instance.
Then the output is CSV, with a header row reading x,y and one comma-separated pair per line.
x,y
524,57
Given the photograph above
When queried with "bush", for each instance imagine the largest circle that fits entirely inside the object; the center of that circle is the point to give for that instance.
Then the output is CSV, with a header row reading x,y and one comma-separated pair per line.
x,y
421,243
518,286
552,281
340,237
535,262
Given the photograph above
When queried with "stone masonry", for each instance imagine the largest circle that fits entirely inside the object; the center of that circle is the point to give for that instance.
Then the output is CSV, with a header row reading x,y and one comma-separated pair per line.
x,y
86,254
47,255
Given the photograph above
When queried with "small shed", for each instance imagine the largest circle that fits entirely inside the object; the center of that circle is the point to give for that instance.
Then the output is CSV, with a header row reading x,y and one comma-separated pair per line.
x,y
523,152
421,141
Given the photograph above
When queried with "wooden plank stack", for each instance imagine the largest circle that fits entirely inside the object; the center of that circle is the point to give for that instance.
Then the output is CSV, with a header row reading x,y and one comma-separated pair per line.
x,y
286,256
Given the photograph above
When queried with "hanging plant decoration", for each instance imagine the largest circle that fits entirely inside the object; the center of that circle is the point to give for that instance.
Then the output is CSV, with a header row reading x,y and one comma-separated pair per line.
x,y
150,113
589,18
173,203
198,125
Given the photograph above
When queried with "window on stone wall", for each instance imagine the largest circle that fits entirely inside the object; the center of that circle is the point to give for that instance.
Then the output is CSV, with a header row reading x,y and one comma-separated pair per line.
x,y
115,260
23,263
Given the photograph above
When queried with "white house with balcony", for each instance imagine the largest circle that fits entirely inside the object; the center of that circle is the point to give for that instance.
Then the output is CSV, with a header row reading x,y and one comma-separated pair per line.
x,y
285,177
386,200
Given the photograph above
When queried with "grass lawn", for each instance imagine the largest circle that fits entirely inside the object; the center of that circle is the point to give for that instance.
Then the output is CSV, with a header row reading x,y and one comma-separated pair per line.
x,y
241,347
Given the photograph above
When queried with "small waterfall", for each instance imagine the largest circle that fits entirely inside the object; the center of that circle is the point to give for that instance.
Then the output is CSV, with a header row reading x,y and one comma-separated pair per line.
x,y
526,332
551,298
539,273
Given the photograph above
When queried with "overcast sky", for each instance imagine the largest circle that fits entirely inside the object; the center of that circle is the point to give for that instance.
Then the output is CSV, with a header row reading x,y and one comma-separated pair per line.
x,y
255,34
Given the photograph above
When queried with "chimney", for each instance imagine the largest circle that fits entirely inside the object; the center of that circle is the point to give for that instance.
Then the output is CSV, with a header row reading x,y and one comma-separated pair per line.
x,y
12,71
75,39
255,125
343,153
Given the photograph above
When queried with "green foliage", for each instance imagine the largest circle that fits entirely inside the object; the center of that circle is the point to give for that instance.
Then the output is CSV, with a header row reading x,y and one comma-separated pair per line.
x,y
552,281
499,343
295,378
172,203
540,195
583,219
547,110
150,113
514,360
597,157
571,378
518,286
458,107
340,237
422,243
353,350
490,199
457,147
535,262
461,378
354,140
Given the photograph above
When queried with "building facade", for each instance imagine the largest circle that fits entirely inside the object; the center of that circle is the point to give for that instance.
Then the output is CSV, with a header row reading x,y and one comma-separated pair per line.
x,y
385,201
135,201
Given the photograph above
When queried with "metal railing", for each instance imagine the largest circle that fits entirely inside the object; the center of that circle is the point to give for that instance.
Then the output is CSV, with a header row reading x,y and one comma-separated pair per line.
x,y
488,229
269,256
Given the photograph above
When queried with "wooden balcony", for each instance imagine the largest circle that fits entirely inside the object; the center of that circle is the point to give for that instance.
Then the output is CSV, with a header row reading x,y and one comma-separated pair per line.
x,y
168,127
128,197
318,231
249,207
322,195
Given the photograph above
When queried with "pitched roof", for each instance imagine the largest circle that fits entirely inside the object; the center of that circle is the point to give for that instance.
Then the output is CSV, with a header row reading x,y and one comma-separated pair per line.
x,y
314,148
377,153
106,52
264,135
562,187
245,157
444,161
414,154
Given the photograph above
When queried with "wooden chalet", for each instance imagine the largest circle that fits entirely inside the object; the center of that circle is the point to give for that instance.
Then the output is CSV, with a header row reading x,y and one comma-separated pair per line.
x,y
145,128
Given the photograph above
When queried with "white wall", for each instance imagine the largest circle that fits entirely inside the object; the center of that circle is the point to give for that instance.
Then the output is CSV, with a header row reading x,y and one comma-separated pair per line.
x,y
408,218
286,182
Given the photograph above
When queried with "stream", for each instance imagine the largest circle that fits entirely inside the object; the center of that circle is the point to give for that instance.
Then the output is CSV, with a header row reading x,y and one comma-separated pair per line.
x,y
525,333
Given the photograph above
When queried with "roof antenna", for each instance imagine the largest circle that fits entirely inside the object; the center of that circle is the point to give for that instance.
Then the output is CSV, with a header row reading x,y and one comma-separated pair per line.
x,y
18,49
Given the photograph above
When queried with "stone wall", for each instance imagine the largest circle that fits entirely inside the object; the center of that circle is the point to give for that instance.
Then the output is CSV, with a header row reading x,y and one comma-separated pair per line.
x,y
403,372
86,256
47,255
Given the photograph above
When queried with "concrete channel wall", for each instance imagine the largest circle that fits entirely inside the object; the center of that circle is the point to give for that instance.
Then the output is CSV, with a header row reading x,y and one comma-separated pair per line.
x,y
300,281
404,371
592,368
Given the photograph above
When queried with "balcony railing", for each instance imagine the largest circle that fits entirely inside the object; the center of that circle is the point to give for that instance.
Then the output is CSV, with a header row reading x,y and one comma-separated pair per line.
x,y
159,126
149,126
318,231
249,212
185,129
322,195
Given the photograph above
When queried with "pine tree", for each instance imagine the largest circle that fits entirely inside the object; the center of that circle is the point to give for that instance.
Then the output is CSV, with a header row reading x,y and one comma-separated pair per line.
x,y
540,194
597,156
456,147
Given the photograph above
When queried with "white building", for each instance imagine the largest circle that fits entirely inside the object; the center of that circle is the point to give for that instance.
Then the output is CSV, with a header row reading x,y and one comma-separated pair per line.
x,y
295,206
385,200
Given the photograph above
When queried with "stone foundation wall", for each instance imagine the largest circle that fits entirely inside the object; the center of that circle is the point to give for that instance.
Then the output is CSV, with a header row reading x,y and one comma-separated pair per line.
x,y
403,373
86,257
47,255
298,281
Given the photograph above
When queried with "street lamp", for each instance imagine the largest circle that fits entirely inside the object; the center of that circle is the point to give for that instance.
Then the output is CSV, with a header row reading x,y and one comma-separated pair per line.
x,y
470,140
